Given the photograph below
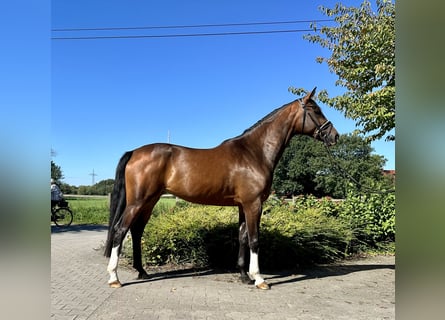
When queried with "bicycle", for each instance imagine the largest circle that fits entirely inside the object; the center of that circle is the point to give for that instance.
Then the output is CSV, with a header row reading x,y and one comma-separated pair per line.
x,y
61,214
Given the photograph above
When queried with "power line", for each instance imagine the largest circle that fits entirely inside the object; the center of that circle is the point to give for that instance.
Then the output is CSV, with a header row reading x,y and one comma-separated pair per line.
x,y
182,35
179,35
191,26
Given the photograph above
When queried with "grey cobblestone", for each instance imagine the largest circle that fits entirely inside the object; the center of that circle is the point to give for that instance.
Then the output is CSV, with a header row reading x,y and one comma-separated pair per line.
x,y
361,289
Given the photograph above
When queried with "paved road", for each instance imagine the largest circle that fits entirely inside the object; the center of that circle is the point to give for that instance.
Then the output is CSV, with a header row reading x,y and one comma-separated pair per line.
x,y
361,289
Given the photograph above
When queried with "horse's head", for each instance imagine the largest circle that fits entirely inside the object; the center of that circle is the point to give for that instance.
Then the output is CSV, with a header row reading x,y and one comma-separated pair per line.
x,y
313,122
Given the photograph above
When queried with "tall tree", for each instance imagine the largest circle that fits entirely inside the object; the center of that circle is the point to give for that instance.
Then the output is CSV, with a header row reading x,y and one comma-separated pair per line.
x,y
103,187
294,173
353,166
56,172
362,44
307,168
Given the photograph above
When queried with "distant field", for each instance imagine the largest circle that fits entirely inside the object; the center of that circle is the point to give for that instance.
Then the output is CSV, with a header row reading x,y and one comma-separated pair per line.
x,y
95,209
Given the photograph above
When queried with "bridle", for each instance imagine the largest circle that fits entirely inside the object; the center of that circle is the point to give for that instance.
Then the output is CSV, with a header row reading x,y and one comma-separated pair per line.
x,y
320,129
320,132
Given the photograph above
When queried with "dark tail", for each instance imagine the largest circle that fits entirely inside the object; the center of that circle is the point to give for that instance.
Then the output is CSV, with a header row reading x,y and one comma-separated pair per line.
x,y
118,201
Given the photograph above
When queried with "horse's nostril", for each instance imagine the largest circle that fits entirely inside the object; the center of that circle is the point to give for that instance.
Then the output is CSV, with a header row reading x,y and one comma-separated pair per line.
x,y
336,137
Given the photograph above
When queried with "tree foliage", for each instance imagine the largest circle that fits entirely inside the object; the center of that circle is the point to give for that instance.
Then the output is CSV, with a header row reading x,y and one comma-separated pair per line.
x,y
307,168
362,44
102,187
56,172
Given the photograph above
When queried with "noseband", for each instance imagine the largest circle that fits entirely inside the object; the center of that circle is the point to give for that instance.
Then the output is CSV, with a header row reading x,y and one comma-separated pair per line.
x,y
320,129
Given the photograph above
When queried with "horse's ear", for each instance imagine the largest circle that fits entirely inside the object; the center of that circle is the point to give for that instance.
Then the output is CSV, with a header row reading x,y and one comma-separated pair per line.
x,y
309,95
313,92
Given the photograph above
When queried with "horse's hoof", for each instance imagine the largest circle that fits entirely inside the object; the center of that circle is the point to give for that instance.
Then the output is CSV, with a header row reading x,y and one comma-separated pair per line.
x,y
263,286
246,280
115,284
143,276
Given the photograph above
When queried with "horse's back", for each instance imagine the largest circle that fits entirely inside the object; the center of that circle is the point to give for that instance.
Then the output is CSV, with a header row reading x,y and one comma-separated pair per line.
x,y
196,175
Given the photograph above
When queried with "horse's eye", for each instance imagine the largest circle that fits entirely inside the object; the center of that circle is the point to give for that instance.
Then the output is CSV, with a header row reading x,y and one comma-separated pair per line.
x,y
316,110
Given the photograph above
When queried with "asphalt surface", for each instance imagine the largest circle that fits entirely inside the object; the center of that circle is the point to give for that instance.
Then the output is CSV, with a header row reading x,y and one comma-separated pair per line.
x,y
362,289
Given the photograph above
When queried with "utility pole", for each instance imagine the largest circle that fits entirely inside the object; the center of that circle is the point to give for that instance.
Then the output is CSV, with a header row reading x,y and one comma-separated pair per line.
x,y
93,175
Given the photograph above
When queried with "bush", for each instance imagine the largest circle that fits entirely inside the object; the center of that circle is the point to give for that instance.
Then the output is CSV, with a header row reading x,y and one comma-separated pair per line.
x,y
304,232
371,216
208,236
184,234
297,236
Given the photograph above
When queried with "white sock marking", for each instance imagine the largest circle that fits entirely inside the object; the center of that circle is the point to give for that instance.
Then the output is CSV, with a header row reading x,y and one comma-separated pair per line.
x,y
254,269
112,265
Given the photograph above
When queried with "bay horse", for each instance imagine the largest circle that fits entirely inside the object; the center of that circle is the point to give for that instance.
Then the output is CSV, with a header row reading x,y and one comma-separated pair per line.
x,y
238,172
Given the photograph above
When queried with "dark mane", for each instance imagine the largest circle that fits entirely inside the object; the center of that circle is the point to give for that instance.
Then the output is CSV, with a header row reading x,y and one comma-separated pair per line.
x,y
268,118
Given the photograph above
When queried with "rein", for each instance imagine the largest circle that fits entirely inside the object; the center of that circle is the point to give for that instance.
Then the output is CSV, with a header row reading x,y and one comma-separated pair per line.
x,y
319,132
349,177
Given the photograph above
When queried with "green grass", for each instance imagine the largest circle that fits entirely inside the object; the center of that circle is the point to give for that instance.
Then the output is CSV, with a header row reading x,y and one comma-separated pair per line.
x,y
95,210
90,210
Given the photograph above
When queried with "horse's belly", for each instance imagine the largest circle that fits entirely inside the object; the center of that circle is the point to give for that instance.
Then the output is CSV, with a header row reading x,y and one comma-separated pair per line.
x,y
202,194
215,201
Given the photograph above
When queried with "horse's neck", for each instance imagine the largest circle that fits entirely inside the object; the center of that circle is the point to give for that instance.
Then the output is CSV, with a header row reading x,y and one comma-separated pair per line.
x,y
273,137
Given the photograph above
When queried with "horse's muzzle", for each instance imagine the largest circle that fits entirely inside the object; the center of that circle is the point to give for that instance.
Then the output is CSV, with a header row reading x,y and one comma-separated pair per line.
x,y
331,140
327,133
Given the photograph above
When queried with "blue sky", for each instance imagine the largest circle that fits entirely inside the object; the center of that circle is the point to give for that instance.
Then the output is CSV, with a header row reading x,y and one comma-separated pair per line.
x,y
113,95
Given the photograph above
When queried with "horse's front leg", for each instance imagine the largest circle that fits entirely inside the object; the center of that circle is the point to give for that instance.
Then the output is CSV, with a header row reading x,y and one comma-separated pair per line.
x,y
253,216
243,245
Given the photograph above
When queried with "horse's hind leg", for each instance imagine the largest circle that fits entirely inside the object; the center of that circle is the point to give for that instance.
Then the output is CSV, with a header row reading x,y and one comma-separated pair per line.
x,y
137,229
129,215
115,252
136,234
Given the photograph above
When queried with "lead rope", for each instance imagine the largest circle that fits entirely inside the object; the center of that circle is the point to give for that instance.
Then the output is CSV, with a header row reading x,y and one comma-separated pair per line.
x,y
346,175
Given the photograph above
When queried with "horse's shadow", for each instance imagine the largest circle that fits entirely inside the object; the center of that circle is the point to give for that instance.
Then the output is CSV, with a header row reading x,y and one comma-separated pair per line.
x,y
273,277
79,228
325,271
182,273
